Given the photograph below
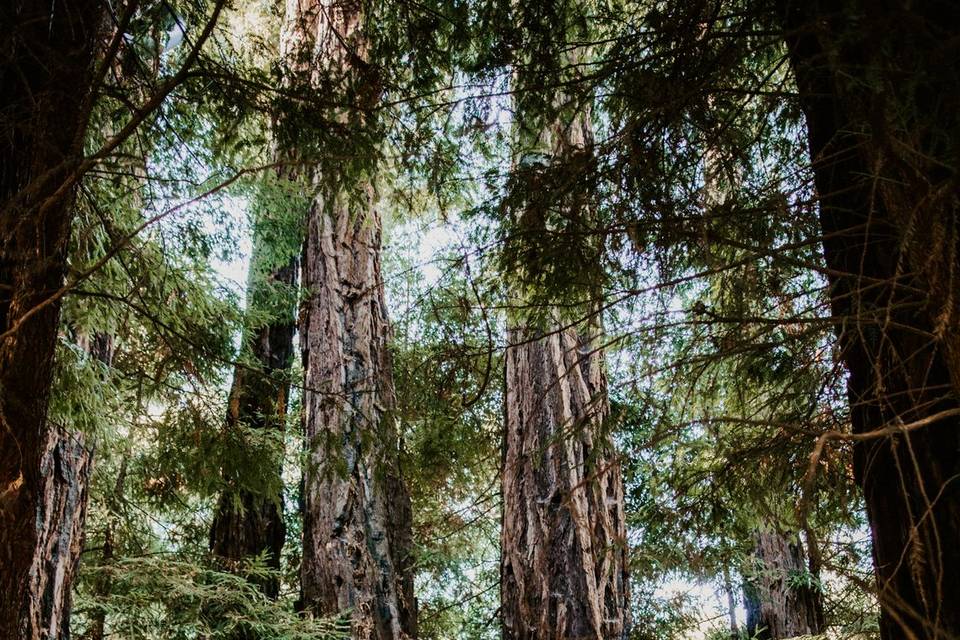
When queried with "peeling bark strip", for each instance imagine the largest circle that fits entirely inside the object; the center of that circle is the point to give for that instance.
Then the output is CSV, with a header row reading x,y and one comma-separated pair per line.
x,y
258,399
880,88
65,471
357,518
45,72
564,570
776,607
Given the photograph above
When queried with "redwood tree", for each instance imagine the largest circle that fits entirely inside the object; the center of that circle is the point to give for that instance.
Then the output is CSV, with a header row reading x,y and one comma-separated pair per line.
x,y
247,523
563,570
779,602
45,80
880,88
357,518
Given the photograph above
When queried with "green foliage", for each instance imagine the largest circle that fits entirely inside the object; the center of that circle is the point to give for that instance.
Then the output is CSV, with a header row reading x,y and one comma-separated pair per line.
x,y
687,219
163,597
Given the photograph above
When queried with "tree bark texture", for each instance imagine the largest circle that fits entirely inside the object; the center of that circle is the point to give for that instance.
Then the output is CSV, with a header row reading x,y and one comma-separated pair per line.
x,y
563,569
248,524
777,605
880,88
357,517
65,471
46,57
357,539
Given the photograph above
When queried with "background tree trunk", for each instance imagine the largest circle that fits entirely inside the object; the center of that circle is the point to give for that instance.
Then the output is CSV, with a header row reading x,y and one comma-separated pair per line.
x,y
563,571
777,606
357,515
248,524
45,73
879,87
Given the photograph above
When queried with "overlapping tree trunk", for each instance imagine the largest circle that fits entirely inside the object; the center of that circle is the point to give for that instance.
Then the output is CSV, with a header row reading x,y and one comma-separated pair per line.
x,y
45,77
357,518
879,86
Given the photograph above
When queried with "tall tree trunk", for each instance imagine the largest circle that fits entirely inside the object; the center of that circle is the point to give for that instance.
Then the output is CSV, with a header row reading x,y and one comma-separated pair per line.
x,y
45,74
357,514
563,570
248,524
357,517
731,603
778,607
880,88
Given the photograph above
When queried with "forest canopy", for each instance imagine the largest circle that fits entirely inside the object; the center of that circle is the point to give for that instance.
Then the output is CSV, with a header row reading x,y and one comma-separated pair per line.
x,y
555,320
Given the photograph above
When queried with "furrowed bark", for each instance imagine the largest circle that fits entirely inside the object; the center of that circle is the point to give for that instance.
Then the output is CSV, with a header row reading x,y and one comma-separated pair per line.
x,y
777,607
45,75
563,571
357,518
65,470
879,86
357,512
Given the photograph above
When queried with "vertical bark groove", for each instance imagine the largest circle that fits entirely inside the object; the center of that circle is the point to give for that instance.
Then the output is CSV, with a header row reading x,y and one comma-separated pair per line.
x,y
357,515
563,570
357,511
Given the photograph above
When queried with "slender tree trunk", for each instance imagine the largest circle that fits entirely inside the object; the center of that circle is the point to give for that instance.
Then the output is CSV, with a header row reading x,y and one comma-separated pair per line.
x,y
563,570
731,603
777,607
47,54
880,88
248,524
357,517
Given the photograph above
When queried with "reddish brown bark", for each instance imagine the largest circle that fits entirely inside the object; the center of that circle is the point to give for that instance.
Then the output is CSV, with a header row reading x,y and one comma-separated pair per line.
x,y
563,569
357,518
880,89
47,53
357,513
